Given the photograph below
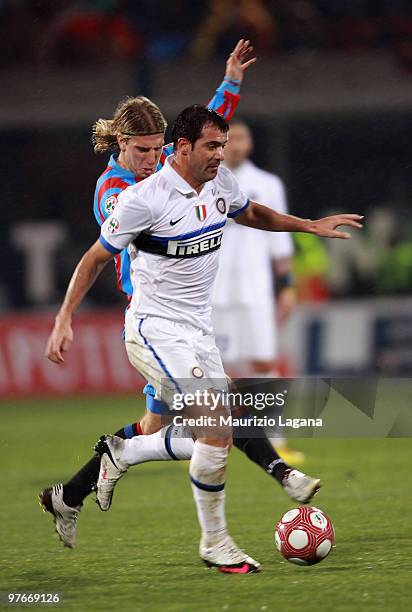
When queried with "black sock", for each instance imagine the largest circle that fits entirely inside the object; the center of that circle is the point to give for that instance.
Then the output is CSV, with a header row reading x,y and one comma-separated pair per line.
x,y
83,483
258,449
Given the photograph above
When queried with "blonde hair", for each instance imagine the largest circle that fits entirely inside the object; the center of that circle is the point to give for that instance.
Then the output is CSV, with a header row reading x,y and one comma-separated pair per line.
x,y
133,117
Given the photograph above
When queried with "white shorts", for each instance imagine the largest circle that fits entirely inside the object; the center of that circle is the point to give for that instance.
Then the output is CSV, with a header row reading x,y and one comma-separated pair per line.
x,y
176,358
246,332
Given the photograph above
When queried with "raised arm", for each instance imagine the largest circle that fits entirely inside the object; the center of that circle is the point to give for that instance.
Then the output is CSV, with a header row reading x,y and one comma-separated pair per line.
x,y
84,276
261,217
227,97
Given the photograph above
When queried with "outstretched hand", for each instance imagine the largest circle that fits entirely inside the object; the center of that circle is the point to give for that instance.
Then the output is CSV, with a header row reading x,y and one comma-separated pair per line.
x,y
238,62
59,341
326,227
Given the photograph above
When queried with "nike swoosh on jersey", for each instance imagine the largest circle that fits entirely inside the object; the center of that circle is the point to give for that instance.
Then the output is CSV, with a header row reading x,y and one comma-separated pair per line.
x,y
177,220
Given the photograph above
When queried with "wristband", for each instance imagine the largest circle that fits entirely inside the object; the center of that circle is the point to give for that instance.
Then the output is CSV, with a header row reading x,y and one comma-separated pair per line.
x,y
231,81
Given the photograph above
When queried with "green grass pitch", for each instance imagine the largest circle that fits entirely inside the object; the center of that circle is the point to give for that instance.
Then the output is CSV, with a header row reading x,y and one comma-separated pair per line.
x,y
142,555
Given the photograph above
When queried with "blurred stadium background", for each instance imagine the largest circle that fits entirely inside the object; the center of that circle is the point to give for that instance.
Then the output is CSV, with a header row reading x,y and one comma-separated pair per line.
x,y
330,104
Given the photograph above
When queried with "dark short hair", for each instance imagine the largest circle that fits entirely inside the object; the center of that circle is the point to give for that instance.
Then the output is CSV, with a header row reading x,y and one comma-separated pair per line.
x,y
191,121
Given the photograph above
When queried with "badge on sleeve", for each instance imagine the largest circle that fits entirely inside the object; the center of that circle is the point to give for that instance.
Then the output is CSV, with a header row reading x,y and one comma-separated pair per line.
x,y
113,225
110,204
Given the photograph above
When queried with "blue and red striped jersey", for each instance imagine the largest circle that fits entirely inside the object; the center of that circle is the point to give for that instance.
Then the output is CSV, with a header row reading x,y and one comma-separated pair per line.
x,y
115,178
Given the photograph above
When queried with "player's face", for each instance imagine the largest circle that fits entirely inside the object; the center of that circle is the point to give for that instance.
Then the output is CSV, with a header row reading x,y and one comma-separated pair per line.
x,y
207,154
239,146
140,154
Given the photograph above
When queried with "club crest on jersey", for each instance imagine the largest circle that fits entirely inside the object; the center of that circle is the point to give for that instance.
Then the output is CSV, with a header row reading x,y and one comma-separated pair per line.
x,y
221,205
201,212
113,225
110,204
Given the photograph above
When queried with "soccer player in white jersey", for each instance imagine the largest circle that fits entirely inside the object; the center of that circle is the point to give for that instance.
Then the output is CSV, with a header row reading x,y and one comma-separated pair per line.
x,y
173,224
245,313
135,134
243,307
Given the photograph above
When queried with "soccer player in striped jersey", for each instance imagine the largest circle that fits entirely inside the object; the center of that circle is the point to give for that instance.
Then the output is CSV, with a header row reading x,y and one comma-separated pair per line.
x,y
139,156
136,134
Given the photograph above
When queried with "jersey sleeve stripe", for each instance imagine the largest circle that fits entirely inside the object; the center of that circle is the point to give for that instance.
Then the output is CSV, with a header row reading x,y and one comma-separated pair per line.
x,y
110,183
107,174
102,214
162,158
225,104
124,281
98,211
225,99
109,247
166,151
239,211
232,85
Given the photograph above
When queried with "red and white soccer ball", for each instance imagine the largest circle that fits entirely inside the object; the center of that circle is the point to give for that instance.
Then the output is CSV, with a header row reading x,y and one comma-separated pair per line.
x,y
304,535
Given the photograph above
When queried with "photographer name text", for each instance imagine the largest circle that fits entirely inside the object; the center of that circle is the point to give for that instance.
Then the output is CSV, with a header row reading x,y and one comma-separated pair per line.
x,y
254,421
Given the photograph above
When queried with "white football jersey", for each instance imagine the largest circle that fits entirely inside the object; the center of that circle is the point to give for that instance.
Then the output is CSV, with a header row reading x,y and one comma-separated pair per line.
x,y
174,236
245,268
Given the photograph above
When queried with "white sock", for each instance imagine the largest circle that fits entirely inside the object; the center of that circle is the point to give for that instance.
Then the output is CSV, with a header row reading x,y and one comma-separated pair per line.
x,y
208,470
168,443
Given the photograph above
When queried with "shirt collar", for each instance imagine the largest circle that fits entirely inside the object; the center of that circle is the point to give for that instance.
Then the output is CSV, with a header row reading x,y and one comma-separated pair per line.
x,y
113,163
179,182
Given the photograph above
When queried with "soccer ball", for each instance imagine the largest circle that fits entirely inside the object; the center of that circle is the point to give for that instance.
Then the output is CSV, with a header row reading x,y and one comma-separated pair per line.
x,y
304,535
